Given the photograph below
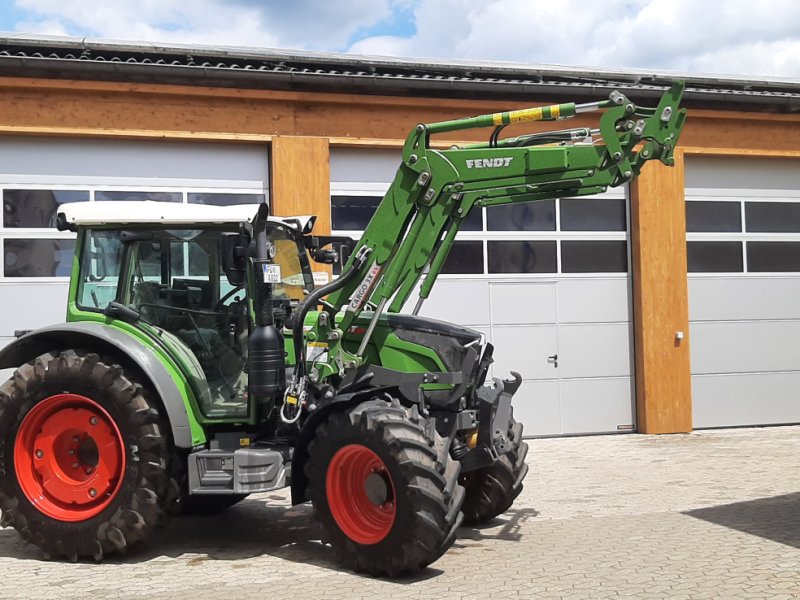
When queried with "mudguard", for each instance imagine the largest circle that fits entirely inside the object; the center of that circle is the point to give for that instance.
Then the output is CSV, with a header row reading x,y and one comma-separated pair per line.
x,y
103,338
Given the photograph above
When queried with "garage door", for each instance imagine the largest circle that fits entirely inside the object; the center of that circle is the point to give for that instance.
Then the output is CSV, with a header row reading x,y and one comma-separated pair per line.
x,y
548,283
39,174
743,246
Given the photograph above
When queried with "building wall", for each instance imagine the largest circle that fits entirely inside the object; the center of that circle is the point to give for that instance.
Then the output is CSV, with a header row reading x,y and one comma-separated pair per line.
x,y
304,126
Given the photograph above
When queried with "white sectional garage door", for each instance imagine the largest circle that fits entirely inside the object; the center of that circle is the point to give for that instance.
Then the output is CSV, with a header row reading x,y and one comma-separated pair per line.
x,y
743,245
548,283
38,174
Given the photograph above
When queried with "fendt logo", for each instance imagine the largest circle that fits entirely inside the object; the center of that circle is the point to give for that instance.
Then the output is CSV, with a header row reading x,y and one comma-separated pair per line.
x,y
483,163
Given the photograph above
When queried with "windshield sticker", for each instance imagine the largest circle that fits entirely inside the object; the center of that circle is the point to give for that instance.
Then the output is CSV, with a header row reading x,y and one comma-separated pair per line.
x,y
272,273
320,277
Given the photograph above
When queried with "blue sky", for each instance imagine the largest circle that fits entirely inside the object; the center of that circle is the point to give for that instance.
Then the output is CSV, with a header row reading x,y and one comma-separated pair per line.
x,y
737,37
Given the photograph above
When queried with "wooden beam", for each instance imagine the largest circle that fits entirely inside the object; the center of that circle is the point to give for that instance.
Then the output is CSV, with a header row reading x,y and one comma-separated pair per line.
x,y
78,108
660,299
300,181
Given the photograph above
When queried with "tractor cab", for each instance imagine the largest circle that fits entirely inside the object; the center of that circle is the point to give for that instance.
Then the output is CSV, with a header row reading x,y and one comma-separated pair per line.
x,y
171,271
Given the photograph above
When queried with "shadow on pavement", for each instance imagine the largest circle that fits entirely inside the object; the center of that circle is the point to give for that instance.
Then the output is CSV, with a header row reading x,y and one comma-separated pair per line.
x,y
776,518
253,528
510,524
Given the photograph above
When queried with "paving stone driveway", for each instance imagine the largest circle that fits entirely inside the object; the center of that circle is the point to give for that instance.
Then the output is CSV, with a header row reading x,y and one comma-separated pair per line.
x,y
712,514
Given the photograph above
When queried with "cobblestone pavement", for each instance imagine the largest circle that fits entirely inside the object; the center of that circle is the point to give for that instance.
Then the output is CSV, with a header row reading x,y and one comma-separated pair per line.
x,y
711,514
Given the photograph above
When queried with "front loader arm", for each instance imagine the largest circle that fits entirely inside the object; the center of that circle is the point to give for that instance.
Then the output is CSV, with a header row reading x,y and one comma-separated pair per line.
x,y
416,223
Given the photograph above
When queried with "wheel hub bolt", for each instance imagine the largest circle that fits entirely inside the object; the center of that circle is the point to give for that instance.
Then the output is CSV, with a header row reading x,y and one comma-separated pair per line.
x,y
89,471
76,439
75,465
71,452
92,492
93,421
39,454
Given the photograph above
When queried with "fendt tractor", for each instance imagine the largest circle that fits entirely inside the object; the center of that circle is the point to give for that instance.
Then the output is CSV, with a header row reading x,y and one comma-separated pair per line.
x,y
199,363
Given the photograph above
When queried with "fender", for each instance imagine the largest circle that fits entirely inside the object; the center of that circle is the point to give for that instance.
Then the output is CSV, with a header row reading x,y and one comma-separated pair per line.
x,y
106,338
300,453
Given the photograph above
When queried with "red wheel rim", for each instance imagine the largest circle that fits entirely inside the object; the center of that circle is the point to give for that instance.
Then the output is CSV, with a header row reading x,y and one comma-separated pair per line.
x,y
361,494
69,457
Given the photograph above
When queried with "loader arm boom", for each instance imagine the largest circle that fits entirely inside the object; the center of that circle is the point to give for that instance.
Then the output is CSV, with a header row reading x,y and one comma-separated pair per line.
x,y
415,225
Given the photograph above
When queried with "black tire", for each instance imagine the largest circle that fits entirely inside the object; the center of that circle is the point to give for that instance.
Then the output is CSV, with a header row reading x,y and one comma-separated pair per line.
x,y
492,490
424,479
137,506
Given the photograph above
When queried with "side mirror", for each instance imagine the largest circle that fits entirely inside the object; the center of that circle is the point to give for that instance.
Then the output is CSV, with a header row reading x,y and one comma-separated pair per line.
x,y
233,251
325,256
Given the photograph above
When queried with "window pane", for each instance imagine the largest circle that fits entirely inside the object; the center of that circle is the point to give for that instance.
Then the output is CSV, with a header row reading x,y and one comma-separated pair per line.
x,y
36,208
474,220
583,214
713,216
714,257
352,212
100,265
772,216
154,196
38,258
529,216
773,256
226,199
465,258
522,257
594,257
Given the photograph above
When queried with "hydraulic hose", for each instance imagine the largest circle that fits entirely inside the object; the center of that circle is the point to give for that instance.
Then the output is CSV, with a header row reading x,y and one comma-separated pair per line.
x,y
313,299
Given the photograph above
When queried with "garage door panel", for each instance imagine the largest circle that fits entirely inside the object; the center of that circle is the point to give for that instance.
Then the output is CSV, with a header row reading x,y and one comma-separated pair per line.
x,y
44,304
730,347
514,303
538,408
465,302
746,399
594,300
163,162
759,176
739,298
525,349
597,405
594,350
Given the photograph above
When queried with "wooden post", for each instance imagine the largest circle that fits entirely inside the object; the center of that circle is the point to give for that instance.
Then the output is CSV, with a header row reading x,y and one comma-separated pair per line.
x,y
300,182
660,299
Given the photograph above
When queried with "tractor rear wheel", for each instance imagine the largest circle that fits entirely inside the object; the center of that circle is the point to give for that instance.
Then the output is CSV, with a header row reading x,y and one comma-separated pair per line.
x,y
384,488
83,456
492,490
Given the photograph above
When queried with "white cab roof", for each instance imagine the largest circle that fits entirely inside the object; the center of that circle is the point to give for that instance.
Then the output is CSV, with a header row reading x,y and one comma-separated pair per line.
x,y
128,212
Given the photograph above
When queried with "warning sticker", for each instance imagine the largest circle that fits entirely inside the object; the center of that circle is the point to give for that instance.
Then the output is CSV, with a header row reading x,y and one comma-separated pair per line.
x,y
317,351
528,114
272,273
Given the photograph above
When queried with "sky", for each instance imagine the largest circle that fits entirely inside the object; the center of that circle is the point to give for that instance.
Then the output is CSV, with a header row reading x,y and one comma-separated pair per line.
x,y
734,37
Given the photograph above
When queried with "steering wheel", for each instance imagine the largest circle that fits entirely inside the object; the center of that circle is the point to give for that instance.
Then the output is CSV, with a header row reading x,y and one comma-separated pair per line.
x,y
221,302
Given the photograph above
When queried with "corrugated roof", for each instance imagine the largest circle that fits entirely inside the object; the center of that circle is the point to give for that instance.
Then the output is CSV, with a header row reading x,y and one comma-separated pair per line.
x,y
96,59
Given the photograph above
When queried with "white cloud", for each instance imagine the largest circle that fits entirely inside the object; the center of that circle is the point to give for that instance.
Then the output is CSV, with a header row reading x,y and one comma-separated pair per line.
x,y
735,36
727,36
311,24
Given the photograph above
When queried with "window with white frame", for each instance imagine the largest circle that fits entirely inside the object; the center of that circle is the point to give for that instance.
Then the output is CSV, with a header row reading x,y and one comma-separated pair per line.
x,y
564,236
742,235
35,250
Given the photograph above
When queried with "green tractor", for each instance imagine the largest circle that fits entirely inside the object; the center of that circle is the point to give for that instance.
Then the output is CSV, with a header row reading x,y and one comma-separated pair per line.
x,y
199,363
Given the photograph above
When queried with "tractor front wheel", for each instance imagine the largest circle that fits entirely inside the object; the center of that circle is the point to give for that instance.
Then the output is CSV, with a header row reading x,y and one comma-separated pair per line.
x,y
384,488
491,491
83,456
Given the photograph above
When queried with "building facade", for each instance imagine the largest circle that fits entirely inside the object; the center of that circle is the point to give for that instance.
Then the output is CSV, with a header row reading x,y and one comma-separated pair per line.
x,y
668,306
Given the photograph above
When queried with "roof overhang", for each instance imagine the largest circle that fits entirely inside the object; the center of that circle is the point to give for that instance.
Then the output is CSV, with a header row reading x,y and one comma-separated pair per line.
x,y
260,68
